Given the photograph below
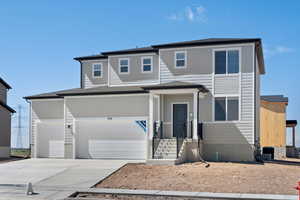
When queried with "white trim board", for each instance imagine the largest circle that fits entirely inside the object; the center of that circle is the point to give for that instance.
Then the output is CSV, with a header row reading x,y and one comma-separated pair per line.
x,y
106,118
174,91
105,96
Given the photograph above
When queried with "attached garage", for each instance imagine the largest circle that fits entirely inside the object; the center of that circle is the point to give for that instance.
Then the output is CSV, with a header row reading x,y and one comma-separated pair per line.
x,y
108,126
47,130
50,138
111,138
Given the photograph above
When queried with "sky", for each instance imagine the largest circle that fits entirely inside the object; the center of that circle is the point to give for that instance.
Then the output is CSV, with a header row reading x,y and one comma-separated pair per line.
x,y
39,39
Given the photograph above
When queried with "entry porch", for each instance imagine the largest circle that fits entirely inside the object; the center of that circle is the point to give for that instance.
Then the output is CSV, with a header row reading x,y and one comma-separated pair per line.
x,y
174,121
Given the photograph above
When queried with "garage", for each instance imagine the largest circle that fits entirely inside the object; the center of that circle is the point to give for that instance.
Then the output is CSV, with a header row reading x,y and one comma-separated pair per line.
x,y
50,138
111,138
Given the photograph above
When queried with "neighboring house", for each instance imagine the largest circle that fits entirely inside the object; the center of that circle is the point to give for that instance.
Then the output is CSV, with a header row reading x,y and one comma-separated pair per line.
x,y
179,101
5,120
291,150
273,125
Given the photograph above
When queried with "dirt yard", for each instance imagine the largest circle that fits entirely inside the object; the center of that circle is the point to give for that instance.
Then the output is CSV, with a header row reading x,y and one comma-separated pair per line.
x,y
268,178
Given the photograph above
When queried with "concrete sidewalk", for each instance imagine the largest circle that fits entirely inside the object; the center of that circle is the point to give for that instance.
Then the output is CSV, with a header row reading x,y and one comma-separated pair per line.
x,y
183,194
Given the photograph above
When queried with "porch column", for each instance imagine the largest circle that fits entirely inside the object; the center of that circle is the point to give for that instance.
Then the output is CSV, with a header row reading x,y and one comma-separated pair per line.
x,y
195,115
294,137
150,122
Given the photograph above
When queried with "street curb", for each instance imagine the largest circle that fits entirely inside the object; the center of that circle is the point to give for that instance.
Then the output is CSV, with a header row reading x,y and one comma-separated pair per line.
x,y
208,195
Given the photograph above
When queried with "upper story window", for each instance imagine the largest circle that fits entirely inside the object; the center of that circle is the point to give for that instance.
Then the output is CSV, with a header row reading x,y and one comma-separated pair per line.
x,y
124,66
227,62
97,70
226,109
146,64
180,59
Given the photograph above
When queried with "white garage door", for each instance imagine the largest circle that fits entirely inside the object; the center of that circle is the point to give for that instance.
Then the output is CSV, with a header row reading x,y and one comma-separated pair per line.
x,y
50,136
111,138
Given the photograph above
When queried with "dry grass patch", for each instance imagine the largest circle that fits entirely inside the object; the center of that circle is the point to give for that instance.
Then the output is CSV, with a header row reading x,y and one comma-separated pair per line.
x,y
268,178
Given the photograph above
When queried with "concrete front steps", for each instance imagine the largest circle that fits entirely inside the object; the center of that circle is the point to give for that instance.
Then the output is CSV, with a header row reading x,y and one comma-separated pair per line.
x,y
167,149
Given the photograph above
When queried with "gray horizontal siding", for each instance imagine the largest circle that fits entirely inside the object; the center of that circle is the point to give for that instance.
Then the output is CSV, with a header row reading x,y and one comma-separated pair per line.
x,y
135,76
247,97
227,84
228,133
167,76
88,80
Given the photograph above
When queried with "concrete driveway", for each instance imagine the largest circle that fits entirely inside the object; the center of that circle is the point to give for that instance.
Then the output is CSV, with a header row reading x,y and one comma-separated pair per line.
x,y
65,173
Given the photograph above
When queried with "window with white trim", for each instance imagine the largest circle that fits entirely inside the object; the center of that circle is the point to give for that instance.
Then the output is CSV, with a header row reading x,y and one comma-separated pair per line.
x,y
226,108
97,70
146,64
180,59
124,66
227,61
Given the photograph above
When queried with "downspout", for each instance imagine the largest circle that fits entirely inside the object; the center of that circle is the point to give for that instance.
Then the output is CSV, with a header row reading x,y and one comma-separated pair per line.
x,y
199,152
81,85
256,140
30,126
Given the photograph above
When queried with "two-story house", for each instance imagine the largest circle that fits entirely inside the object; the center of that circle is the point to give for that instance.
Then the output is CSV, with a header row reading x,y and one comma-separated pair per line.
x,y
5,120
180,101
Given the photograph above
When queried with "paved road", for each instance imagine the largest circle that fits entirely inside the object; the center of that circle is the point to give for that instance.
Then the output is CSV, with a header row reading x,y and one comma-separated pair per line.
x,y
55,174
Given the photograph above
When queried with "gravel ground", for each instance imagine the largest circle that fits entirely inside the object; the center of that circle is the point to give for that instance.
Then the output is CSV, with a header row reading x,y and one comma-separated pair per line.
x,y
268,178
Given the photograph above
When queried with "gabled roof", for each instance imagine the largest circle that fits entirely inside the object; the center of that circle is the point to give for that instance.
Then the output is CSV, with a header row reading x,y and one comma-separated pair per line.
x,y
92,57
275,98
7,107
208,41
4,83
134,50
101,90
105,90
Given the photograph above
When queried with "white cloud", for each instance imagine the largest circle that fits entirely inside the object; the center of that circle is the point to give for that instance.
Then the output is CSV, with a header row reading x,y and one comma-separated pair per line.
x,y
282,49
191,14
275,50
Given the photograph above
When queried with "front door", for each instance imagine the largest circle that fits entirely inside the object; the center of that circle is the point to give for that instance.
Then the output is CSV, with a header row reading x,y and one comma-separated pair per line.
x,y
180,120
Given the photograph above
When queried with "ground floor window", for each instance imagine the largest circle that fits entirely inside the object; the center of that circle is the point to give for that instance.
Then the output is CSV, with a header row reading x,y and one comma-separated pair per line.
x,y
226,108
